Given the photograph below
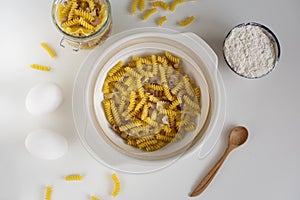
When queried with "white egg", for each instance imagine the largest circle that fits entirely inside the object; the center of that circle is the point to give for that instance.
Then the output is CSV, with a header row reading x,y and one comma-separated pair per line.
x,y
44,98
46,144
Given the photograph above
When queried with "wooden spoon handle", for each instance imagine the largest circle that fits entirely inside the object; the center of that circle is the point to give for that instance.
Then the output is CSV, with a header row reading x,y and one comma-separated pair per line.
x,y
211,174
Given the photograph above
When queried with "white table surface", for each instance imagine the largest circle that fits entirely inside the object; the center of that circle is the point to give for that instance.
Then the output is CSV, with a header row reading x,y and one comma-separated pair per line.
x,y
266,167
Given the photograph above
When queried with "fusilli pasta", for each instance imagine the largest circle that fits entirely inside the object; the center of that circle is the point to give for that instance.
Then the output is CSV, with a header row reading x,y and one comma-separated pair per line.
x,y
48,193
148,13
117,186
150,104
74,177
50,51
40,67
187,21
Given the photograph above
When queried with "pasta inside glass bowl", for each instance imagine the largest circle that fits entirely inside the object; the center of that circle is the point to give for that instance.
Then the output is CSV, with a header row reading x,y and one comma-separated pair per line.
x,y
150,100
106,145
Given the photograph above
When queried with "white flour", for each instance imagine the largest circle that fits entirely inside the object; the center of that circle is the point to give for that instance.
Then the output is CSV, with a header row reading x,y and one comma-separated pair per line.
x,y
249,51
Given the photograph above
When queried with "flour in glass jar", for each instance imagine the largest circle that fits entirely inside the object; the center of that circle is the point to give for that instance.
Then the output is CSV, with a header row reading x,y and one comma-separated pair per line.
x,y
249,51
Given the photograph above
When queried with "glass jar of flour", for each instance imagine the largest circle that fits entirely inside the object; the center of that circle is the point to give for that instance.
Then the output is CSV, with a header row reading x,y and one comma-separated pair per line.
x,y
84,24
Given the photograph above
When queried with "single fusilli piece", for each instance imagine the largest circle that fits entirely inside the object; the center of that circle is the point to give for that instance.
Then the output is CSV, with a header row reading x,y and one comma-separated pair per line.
x,y
93,197
142,5
91,4
161,20
40,67
187,21
172,58
134,6
50,51
48,193
117,186
74,177
85,24
85,15
161,4
148,13
175,3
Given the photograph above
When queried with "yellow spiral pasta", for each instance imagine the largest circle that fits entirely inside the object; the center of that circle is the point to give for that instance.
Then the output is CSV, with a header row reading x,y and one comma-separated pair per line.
x,y
85,15
172,58
50,51
74,177
134,6
191,103
85,24
40,67
72,10
60,10
94,198
68,7
197,93
48,193
161,4
147,103
117,186
71,22
91,4
115,68
186,21
115,113
175,3
142,5
108,111
161,20
148,13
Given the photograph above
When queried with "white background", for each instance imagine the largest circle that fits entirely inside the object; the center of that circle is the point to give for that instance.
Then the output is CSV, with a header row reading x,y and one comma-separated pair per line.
x,y
266,167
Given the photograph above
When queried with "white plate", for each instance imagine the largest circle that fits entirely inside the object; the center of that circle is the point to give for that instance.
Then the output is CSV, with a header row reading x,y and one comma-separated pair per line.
x,y
88,132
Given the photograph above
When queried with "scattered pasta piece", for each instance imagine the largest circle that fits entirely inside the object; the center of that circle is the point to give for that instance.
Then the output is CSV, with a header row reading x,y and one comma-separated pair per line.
x,y
142,5
148,13
48,193
74,177
50,51
175,3
161,4
94,198
187,21
155,4
40,67
117,186
161,20
134,5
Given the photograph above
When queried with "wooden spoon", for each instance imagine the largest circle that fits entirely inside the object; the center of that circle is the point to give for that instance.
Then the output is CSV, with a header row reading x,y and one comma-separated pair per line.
x,y
237,137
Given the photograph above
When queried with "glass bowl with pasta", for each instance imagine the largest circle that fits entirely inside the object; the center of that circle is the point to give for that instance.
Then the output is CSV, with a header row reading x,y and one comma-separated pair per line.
x,y
147,98
83,24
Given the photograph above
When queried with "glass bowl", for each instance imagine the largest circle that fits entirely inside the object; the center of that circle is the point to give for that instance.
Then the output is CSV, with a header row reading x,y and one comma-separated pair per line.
x,y
251,50
97,135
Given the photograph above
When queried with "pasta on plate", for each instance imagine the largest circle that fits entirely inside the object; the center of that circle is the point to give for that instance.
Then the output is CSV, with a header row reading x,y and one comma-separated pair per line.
x,y
149,101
